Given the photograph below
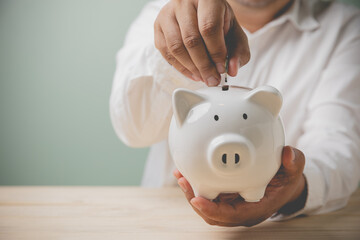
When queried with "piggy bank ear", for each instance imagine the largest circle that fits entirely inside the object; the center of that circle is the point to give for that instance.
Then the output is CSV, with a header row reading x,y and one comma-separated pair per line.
x,y
183,101
267,96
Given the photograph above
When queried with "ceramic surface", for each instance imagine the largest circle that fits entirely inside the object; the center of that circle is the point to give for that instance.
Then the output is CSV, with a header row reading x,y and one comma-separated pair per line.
x,y
227,139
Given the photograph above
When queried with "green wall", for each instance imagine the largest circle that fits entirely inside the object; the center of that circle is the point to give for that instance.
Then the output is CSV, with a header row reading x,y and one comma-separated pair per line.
x,y
57,59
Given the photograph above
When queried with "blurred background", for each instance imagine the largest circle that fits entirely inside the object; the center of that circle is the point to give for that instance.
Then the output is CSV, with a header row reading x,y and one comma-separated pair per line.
x,y
57,60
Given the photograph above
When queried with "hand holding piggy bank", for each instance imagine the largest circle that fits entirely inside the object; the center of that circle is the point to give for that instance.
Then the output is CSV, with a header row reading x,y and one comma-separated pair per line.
x,y
227,139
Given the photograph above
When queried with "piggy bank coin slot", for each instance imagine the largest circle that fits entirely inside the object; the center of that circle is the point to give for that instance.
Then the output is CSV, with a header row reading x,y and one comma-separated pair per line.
x,y
225,87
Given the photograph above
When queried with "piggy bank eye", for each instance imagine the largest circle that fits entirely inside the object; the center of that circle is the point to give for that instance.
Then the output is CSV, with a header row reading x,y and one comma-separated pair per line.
x,y
216,117
245,116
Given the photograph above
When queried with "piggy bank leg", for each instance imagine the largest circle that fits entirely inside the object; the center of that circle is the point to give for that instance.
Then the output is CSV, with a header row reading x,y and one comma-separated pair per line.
x,y
254,195
205,193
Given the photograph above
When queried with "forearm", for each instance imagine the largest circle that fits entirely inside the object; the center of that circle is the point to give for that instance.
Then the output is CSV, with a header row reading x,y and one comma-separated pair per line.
x,y
332,178
331,132
140,102
331,171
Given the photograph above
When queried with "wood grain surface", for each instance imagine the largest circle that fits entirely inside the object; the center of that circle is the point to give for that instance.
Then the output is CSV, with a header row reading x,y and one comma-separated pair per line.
x,y
138,213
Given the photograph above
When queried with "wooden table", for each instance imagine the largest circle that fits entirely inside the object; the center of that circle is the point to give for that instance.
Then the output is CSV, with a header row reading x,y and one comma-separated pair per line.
x,y
137,213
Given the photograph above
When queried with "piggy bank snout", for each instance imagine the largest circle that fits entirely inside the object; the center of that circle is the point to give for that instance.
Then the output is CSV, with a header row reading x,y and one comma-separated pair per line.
x,y
229,153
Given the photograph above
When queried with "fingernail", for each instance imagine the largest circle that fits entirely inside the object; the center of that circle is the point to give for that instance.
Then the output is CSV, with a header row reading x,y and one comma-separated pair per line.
x,y
182,186
197,78
193,78
239,63
196,205
292,154
212,81
175,173
220,68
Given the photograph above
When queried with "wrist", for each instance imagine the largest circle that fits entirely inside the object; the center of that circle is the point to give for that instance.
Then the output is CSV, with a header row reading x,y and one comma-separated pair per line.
x,y
298,200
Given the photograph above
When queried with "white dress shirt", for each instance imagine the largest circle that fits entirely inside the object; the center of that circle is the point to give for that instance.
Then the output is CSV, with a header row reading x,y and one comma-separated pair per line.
x,y
311,54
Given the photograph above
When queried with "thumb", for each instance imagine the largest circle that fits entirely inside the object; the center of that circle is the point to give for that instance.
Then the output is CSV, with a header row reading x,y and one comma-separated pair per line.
x,y
238,48
293,160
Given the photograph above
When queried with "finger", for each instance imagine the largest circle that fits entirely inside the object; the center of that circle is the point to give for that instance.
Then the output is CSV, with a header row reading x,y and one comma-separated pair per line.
x,y
189,194
186,187
176,47
240,214
228,197
211,24
293,160
187,19
160,44
238,48
220,212
177,174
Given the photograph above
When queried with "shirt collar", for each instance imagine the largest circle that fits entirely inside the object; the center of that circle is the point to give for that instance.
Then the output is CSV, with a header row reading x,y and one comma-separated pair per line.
x,y
301,15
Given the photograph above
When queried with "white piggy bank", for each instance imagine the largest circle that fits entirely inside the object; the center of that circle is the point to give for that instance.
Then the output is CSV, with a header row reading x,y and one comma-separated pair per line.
x,y
227,139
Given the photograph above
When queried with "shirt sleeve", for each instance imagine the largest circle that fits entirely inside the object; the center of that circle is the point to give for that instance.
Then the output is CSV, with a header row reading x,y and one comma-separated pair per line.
x,y
331,133
140,101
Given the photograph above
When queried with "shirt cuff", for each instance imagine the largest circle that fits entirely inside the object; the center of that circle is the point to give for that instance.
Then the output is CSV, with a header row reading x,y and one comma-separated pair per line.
x,y
315,193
